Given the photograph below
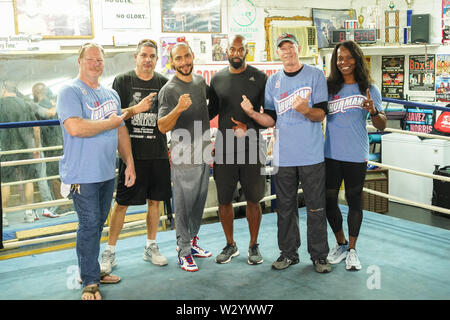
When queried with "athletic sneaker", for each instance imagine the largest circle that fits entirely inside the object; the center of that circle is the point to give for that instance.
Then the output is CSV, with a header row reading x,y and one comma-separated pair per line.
x,y
197,251
352,261
108,261
152,254
254,256
283,262
30,216
338,253
47,213
322,266
187,263
230,251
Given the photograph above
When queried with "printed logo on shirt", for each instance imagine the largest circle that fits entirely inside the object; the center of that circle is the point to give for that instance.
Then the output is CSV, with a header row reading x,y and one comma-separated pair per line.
x,y
252,79
104,110
286,99
347,103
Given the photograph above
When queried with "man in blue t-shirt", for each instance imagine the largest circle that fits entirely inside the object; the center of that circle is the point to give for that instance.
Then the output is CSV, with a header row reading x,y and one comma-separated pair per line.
x,y
298,94
93,130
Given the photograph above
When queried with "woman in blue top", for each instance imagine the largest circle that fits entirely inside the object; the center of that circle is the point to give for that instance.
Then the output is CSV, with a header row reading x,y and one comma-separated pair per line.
x,y
352,96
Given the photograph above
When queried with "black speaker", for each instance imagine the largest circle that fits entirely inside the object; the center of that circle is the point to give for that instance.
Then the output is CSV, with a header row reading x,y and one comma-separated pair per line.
x,y
420,28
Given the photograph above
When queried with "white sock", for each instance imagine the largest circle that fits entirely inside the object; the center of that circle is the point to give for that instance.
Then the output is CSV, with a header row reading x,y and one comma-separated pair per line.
x,y
149,242
111,248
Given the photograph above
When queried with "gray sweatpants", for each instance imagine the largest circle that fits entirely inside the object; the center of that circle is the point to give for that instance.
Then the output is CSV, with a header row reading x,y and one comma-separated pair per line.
x,y
312,180
190,188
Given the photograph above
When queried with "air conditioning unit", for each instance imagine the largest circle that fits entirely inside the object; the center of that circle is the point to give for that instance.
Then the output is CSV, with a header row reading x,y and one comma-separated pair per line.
x,y
306,36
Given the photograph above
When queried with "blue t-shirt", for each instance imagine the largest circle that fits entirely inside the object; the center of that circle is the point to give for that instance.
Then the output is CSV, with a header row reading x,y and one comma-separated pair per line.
x,y
346,136
299,141
91,159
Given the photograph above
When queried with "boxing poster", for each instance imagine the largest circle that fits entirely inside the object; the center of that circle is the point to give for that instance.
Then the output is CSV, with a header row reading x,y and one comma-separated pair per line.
x,y
421,72
393,73
443,77
445,21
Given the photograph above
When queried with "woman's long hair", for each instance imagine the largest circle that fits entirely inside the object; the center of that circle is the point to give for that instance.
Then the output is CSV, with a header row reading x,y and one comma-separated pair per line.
x,y
335,80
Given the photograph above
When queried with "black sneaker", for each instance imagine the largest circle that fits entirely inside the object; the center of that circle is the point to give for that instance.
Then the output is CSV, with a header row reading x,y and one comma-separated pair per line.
x,y
283,262
227,253
254,256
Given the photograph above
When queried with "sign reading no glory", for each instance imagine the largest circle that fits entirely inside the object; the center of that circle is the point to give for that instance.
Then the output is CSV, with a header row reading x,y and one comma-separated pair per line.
x,y
126,14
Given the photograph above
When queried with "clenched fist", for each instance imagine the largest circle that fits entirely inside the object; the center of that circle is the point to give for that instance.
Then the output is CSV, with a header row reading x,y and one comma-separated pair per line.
x,y
301,104
184,102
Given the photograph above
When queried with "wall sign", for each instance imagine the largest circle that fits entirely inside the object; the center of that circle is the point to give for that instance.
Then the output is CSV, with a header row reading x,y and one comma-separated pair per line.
x,y
126,14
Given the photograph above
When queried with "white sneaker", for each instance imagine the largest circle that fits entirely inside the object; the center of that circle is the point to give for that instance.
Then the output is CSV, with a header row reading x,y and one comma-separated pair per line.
x,y
30,216
47,213
108,261
153,255
352,261
198,252
338,253
187,263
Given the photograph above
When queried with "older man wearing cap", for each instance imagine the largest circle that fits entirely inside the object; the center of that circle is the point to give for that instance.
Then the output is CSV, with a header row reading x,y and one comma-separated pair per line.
x,y
298,94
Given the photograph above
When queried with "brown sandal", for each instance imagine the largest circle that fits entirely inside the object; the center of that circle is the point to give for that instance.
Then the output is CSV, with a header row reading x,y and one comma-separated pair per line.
x,y
92,290
106,278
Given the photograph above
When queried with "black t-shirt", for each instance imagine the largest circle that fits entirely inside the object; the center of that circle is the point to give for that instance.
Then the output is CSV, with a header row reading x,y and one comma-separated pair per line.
x,y
15,109
225,97
147,142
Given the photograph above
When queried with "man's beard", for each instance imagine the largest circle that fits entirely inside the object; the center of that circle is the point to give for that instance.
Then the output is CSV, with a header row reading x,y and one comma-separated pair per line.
x,y
236,64
185,73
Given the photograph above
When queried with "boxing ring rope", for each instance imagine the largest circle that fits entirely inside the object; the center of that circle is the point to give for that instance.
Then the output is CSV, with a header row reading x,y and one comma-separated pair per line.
x,y
72,235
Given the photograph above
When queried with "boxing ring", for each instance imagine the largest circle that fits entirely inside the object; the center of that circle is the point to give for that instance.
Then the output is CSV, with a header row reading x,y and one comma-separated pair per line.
x,y
14,243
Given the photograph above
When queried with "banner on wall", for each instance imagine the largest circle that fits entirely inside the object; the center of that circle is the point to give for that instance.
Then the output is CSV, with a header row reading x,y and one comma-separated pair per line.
x,y
443,77
392,74
126,14
421,72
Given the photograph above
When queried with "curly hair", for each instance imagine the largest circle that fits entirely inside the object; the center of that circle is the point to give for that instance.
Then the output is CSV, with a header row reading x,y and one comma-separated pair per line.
x,y
335,80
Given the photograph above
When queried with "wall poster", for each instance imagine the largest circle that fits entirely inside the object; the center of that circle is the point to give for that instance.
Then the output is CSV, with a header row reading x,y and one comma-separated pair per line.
x,y
445,21
443,77
421,72
54,18
392,74
191,16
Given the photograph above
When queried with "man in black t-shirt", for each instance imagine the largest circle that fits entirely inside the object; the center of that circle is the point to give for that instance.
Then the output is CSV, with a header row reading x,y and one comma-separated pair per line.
x,y
236,95
138,91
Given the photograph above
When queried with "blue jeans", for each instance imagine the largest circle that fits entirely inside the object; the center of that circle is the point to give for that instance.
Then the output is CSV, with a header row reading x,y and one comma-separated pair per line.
x,y
92,204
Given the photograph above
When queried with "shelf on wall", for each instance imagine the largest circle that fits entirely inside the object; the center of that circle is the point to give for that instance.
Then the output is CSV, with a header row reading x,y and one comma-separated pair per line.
x,y
392,49
58,52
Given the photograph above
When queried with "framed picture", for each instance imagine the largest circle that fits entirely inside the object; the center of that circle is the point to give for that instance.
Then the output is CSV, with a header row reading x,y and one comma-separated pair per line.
x,y
191,16
326,20
54,18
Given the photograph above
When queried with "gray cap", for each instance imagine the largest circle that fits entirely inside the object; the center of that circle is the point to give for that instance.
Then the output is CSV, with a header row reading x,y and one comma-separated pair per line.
x,y
286,37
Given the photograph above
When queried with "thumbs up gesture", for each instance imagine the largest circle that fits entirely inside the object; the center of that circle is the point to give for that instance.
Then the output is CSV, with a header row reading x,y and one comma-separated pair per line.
x,y
247,106
302,104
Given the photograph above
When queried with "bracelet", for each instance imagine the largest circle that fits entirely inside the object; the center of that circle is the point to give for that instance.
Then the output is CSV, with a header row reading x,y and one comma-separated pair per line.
x,y
375,114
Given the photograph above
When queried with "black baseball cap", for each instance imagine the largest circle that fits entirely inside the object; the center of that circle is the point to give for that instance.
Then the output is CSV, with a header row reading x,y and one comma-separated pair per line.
x,y
286,37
